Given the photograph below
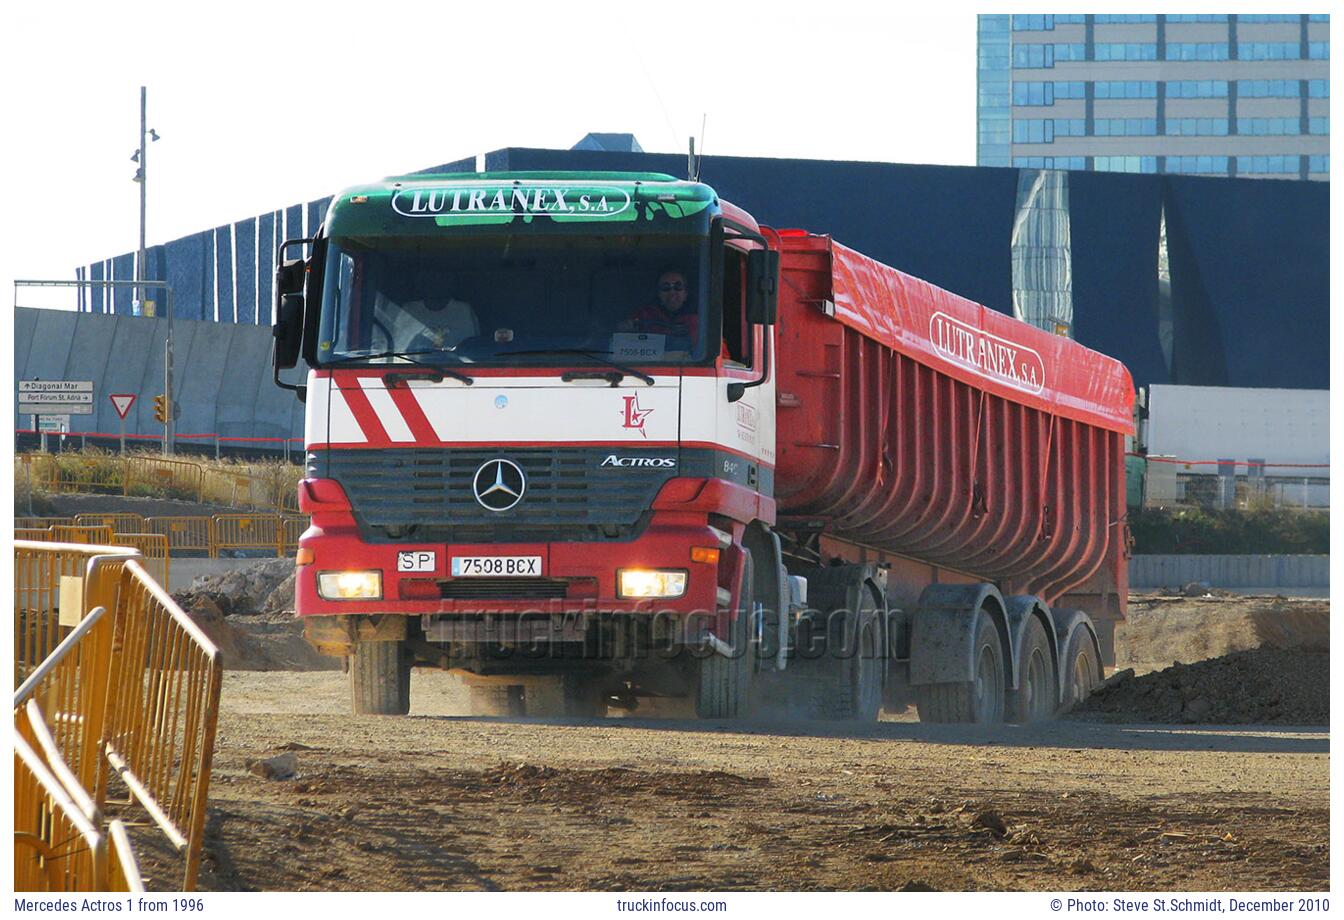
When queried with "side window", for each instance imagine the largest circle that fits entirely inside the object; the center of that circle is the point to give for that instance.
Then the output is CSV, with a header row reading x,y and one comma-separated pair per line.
x,y
734,319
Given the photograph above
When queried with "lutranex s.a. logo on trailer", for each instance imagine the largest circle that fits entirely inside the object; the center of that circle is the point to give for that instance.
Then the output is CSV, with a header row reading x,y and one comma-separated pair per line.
x,y
989,355
468,201
634,416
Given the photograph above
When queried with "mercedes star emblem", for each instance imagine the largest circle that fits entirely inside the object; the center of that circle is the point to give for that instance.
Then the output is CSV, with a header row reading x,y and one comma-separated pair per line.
x,y
499,485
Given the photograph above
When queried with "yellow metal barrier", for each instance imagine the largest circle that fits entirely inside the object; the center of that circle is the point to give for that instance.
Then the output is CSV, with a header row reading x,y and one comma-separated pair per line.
x,y
293,529
39,569
41,522
134,689
56,846
249,531
154,547
180,478
80,533
163,708
186,534
32,533
119,521
37,863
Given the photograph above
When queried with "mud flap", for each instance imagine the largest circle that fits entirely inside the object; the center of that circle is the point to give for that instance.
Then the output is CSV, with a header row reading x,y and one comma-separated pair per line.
x,y
942,634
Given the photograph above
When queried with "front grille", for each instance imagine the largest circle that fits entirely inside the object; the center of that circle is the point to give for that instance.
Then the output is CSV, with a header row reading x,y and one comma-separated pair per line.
x,y
425,494
524,589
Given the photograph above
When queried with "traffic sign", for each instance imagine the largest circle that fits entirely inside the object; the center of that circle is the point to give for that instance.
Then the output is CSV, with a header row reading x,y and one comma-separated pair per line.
x,y
56,397
122,402
53,423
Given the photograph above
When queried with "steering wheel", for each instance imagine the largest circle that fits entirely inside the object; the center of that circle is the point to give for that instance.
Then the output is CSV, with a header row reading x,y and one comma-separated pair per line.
x,y
386,333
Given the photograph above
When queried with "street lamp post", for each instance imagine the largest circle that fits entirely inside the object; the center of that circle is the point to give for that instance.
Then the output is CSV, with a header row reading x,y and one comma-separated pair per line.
x,y
142,176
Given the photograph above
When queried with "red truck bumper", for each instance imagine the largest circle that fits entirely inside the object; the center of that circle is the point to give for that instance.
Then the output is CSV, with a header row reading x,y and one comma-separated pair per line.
x,y
573,578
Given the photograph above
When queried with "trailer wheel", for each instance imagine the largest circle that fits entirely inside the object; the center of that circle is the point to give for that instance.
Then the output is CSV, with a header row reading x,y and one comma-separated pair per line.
x,y
1037,695
380,679
979,700
724,682
1082,670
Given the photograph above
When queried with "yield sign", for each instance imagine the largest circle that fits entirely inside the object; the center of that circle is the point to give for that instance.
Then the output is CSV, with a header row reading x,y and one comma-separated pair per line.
x,y
122,402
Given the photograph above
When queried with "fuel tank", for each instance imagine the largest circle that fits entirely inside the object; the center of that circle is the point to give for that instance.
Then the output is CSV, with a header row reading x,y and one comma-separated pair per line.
x,y
922,424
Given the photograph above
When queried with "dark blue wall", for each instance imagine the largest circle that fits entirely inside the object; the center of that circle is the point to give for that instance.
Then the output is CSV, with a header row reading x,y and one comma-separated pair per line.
x,y
1249,258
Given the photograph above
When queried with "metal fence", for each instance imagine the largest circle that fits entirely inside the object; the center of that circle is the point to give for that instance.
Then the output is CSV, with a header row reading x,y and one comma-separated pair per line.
x,y
1246,485
131,692
161,538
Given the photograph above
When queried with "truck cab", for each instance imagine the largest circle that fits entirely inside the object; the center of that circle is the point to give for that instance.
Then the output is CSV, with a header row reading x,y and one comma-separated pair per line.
x,y
539,426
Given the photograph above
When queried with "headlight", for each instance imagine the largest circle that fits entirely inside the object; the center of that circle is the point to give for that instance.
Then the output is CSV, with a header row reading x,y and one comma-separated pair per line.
x,y
650,582
350,586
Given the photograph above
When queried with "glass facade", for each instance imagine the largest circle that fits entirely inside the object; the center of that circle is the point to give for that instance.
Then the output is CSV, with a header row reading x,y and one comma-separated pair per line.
x,y
1042,261
1222,76
993,91
1272,165
1196,51
1197,89
1125,89
1198,165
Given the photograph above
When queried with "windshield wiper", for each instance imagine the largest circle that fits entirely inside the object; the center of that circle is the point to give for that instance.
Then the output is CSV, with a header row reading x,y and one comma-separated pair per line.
x,y
411,357
587,354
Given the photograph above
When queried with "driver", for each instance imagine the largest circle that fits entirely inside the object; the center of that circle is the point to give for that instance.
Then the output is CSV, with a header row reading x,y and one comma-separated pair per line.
x,y
445,322
672,314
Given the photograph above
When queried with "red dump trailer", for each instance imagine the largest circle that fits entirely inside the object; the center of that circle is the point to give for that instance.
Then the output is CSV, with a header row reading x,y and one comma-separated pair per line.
x,y
603,437
949,445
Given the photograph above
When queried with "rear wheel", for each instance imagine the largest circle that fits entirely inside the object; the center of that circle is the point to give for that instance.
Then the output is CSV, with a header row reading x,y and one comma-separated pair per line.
x,y
1082,669
1037,695
979,700
380,679
723,686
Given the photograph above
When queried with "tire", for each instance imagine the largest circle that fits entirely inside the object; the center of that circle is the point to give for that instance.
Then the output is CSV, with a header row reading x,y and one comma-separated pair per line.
x,y
980,700
380,679
1036,698
1082,668
723,684
846,682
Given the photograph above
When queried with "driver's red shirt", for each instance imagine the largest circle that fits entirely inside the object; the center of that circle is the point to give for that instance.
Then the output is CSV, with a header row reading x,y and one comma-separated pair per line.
x,y
654,319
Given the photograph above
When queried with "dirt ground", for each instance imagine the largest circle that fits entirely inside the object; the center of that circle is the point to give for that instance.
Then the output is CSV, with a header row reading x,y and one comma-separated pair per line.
x,y
441,801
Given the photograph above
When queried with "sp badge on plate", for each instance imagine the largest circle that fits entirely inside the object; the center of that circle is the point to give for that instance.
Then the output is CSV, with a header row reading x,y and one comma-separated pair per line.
x,y
416,560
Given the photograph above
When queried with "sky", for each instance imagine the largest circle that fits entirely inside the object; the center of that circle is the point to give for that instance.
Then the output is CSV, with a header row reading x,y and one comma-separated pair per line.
x,y
260,106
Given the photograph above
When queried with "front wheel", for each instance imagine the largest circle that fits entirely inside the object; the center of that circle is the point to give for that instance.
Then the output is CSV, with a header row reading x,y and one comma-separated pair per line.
x,y
724,681
380,679
980,700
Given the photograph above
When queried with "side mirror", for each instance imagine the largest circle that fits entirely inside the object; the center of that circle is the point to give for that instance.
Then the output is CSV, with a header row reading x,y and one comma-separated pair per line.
x,y
762,287
288,332
289,276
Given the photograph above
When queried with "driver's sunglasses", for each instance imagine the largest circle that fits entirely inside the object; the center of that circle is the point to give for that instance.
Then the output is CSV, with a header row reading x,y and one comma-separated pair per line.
x,y
673,286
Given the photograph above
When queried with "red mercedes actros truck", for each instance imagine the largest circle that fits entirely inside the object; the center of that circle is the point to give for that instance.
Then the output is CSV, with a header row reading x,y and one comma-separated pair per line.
x,y
604,435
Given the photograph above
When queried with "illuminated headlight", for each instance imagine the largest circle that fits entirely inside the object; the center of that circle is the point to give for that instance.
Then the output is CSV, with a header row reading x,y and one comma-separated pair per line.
x,y
650,582
350,586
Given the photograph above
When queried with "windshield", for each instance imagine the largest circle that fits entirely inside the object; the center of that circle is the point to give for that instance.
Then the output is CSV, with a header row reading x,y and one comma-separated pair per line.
x,y
510,299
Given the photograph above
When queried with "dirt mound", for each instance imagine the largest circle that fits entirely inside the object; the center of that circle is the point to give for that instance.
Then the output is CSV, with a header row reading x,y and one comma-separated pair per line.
x,y
1256,686
249,614
255,645
264,589
1162,630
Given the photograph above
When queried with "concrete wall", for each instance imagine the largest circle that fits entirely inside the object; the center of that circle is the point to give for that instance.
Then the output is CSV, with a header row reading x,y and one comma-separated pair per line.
x,y
221,372
1230,571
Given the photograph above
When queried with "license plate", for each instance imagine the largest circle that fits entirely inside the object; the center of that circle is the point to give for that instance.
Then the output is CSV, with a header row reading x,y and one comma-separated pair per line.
x,y
496,566
416,561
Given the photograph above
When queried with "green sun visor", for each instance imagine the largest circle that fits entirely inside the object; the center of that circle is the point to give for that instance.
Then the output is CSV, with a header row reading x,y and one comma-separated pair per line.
x,y
432,204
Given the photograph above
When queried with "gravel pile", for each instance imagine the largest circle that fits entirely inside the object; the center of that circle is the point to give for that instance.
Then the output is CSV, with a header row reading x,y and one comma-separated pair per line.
x,y
265,589
1256,686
